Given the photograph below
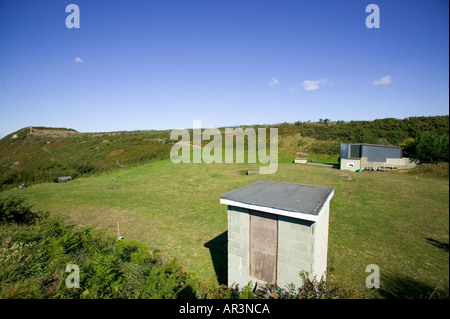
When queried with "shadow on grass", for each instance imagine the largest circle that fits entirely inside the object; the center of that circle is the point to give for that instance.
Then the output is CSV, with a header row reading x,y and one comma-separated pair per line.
x,y
219,255
438,244
403,287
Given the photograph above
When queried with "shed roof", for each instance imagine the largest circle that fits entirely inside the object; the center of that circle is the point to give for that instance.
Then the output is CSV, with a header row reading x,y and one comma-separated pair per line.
x,y
375,145
289,199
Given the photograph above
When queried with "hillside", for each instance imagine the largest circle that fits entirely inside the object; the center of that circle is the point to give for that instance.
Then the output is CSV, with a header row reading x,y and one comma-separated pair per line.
x,y
46,153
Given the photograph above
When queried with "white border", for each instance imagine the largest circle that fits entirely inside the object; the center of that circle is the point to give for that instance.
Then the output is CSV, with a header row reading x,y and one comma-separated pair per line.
x,y
277,211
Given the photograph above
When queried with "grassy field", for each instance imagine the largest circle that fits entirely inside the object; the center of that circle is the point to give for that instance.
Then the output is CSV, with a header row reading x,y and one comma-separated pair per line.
x,y
45,153
399,221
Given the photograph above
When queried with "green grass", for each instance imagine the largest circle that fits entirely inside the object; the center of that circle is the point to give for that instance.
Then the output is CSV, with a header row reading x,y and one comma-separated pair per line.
x,y
49,153
398,221
34,254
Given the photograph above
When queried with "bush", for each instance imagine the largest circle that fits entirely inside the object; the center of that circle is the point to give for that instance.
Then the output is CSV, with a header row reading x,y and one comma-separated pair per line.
x,y
325,147
409,148
108,268
84,167
311,289
34,256
431,148
436,170
14,209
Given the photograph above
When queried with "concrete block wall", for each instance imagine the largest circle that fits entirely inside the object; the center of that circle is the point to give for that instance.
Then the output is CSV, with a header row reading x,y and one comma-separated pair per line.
x,y
302,246
406,163
238,247
320,233
363,162
355,161
295,250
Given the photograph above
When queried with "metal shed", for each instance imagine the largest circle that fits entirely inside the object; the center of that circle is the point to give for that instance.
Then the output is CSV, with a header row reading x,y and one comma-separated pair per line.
x,y
275,231
374,153
368,157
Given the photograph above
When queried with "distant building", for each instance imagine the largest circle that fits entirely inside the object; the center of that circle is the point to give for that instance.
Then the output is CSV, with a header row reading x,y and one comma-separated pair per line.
x,y
373,157
299,160
64,179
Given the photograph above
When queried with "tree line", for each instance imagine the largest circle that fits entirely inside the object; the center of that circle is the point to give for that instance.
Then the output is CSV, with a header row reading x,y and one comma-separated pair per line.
x,y
425,138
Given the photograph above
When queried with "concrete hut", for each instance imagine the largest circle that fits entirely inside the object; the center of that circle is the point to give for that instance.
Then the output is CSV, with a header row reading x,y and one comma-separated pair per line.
x,y
275,231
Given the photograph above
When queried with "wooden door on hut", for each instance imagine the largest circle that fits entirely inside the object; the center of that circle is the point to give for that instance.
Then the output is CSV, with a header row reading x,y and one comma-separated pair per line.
x,y
263,246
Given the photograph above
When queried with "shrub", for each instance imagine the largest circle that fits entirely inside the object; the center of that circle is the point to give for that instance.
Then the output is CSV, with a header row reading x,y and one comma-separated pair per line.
x,y
409,148
311,289
325,147
436,170
36,254
14,209
431,148
84,167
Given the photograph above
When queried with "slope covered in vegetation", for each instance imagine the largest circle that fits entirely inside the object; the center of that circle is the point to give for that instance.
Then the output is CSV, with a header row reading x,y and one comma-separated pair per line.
x,y
46,153
38,256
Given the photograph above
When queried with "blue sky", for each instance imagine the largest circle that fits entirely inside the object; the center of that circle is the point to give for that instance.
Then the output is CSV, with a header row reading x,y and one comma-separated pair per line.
x,y
162,64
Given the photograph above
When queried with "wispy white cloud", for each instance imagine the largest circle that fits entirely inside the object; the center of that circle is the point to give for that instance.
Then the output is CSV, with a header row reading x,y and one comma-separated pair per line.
x,y
274,82
310,85
78,60
383,81
295,89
